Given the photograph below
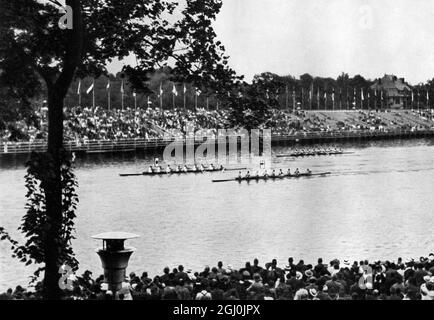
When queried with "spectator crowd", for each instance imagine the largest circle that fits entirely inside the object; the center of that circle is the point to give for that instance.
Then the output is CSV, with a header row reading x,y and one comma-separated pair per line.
x,y
337,280
83,123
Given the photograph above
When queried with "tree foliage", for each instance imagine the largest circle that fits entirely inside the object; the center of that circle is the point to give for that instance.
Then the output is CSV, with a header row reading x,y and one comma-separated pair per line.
x,y
36,223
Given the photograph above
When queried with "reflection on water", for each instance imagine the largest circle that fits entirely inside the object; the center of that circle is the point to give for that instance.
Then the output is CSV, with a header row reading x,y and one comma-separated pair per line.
x,y
377,204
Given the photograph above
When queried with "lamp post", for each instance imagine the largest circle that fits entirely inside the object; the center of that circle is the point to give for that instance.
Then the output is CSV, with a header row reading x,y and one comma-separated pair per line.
x,y
114,257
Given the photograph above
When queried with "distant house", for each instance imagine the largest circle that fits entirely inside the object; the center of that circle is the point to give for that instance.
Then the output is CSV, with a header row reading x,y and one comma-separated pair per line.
x,y
395,90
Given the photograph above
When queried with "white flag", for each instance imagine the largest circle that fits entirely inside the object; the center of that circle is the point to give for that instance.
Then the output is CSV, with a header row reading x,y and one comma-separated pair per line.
x,y
185,89
134,94
161,90
174,91
89,90
198,92
108,84
363,96
122,86
79,87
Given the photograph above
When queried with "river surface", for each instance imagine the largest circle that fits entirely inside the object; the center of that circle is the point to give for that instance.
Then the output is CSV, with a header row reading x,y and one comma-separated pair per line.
x,y
377,204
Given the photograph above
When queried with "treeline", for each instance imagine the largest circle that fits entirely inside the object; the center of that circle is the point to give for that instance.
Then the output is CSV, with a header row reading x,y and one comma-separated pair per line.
x,y
344,92
188,94
307,92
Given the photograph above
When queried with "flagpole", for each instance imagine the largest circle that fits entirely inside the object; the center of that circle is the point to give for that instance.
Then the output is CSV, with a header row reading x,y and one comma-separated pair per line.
x,y
207,103
333,107
93,94
195,104
286,98
79,93
161,97
311,96
108,94
184,97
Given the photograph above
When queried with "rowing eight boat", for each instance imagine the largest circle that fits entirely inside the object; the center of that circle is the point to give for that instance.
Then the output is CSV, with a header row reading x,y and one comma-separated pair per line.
x,y
180,172
278,177
311,154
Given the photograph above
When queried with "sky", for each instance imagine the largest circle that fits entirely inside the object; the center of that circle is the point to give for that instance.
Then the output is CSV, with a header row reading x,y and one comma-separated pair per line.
x,y
327,37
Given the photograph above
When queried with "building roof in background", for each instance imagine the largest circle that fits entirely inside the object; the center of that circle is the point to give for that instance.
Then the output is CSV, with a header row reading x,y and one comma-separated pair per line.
x,y
390,82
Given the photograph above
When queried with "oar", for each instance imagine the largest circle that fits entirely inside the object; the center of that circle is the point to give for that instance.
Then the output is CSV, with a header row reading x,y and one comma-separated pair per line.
x,y
130,174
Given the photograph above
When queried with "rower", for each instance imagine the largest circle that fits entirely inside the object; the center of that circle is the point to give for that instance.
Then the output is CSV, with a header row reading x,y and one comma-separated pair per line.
x,y
168,169
178,168
273,173
150,170
221,168
239,175
202,168
248,174
195,168
185,169
308,171
257,174
266,174
297,172
288,173
280,172
211,167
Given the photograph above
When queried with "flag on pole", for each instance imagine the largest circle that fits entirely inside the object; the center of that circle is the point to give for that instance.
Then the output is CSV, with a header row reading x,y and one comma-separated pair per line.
x,y
185,89
197,92
333,95
267,95
362,95
134,94
79,87
174,91
89,90
108,84
122,86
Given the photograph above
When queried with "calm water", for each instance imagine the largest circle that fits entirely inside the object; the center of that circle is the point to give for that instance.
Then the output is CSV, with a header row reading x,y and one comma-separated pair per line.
x,y
378,204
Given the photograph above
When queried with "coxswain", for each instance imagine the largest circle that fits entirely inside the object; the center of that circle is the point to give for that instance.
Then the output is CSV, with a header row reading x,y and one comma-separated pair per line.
x,y
297,172
150,170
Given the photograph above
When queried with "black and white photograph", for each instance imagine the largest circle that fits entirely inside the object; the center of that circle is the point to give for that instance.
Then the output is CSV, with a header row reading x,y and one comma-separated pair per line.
x,y
238,151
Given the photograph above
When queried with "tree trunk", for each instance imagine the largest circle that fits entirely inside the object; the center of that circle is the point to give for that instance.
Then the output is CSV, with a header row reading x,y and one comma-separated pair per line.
x,y
57,91
53,195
